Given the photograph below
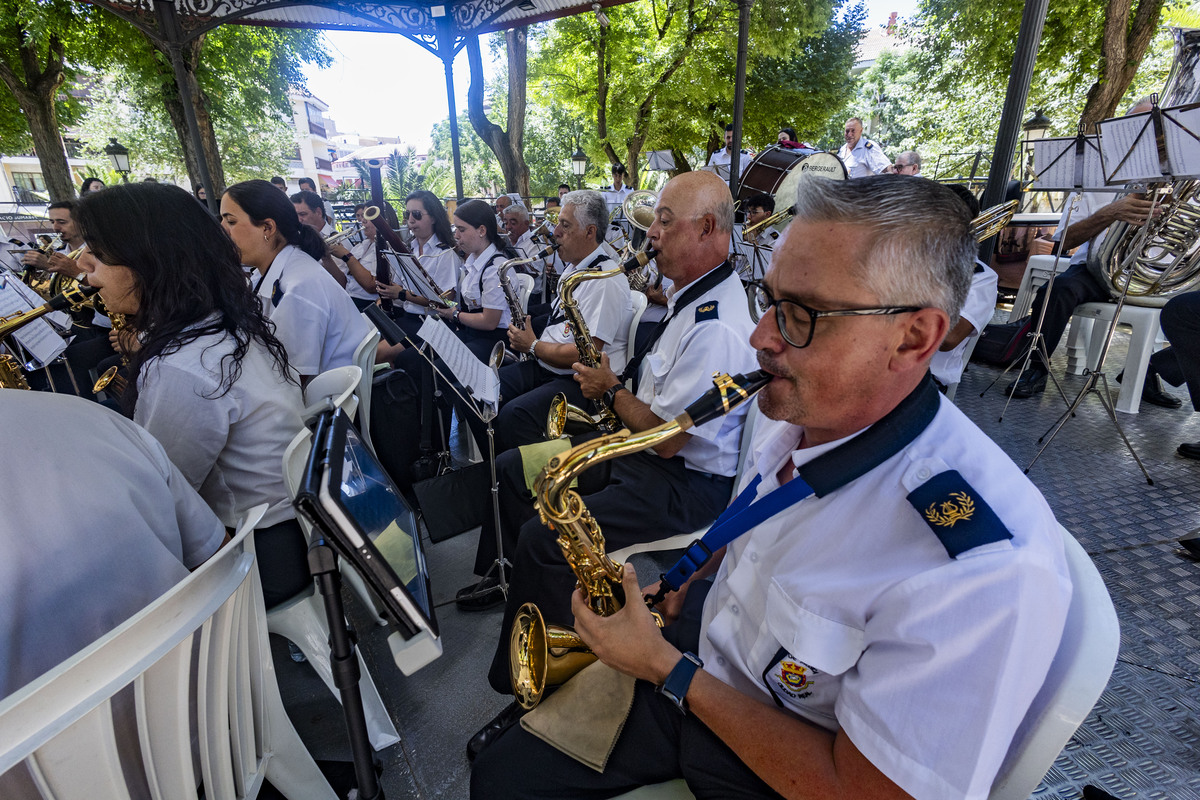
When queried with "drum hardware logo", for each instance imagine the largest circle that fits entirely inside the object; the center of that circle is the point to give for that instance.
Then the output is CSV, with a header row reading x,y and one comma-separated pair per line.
x,y
947,513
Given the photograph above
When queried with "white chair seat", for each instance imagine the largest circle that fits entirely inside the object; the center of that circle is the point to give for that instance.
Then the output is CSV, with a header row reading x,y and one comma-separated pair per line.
x,y
207,633
337,386
364,359
1087,339
1037,272
522,284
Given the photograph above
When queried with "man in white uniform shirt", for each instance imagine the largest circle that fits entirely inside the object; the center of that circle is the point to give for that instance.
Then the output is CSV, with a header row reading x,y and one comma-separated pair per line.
x,y
516,225
527,387
615,194
883,633
861,156
311,211
681,485
721,160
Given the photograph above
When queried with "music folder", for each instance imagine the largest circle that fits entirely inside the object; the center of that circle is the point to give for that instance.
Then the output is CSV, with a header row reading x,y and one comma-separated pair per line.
x,y
352,503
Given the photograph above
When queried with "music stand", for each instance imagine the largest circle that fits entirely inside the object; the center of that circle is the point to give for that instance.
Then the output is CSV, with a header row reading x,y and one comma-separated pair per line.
x,y
1069,164
483,406
1133,148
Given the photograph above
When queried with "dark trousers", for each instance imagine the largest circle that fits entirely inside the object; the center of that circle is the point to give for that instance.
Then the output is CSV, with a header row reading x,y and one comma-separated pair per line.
x,y
282,554
526,389
1072,288
656,744
636,498
1180,363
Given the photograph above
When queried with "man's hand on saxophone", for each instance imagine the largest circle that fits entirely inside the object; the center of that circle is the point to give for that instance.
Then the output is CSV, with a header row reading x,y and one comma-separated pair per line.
x,y
521,340
597,382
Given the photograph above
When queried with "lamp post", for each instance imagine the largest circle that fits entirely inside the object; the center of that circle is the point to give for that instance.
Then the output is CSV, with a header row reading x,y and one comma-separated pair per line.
x,y
1036,126
118,155
579,165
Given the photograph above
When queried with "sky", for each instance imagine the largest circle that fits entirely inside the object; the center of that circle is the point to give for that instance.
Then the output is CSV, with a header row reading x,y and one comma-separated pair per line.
x,y
385,85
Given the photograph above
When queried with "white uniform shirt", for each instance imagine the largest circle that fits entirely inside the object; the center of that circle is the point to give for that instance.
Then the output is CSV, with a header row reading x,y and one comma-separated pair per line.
x,y
1089,204
927,663
442,264
480,284
710,334
364,251
607,311
655,312
76,567
867,158
724,158
228,445
947,367
528,248
314,317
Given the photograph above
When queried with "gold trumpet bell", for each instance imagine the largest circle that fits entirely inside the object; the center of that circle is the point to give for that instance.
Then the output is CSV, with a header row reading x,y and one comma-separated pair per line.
x,y
563,415
542,655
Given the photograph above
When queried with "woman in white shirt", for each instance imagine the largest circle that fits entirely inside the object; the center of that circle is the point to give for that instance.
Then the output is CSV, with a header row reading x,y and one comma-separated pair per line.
x,y
315,319
432,244
210,381
482,317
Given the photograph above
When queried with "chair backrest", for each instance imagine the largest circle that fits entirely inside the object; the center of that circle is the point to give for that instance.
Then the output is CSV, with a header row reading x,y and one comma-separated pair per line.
x,y
208,632
364,359
522,284
973,340
1078,674
338,385
639,308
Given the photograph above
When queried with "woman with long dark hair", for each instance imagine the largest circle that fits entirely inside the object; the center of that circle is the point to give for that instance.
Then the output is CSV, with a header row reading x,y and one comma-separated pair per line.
x,y
315,319
210,380
482,317
433,244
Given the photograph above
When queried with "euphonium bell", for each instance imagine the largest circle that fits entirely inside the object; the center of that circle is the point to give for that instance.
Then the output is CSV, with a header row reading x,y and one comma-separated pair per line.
x,y
542,655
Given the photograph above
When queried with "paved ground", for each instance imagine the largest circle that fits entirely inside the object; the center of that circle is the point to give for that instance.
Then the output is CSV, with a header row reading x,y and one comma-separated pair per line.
x,y
1141,741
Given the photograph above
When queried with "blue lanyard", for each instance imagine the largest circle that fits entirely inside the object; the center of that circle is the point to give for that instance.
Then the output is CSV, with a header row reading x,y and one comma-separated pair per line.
x,y
741,515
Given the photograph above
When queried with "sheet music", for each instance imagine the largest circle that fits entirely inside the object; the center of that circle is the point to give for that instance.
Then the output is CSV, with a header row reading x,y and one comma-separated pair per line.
x,y
1129,150
60,319
10,257
1054,165
40,340
414,280
1180,128
480,378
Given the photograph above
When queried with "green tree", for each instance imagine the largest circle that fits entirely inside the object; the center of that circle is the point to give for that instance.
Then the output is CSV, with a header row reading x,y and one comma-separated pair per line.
x,y
507,144
481,172
1097,44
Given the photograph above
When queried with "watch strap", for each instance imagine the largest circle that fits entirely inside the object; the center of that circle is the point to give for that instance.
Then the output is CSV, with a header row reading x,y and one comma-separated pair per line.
x,y
676,685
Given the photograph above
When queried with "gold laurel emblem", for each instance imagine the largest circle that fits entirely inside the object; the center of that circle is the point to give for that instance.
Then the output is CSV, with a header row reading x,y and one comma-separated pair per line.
x,y
951,512
706,308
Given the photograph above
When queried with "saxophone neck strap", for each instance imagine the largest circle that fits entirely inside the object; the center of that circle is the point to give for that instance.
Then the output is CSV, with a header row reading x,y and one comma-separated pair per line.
x,y
820,476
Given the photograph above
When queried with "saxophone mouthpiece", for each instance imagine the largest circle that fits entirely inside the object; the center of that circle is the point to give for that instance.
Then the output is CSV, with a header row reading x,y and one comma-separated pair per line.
x,y
726,394
639,259
549,251
71,298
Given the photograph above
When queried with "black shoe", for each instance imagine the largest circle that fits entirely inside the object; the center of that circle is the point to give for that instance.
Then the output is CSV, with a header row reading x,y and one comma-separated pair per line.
x,y
489,733
1031,383
1189,450
1152,393
1192,546
480,596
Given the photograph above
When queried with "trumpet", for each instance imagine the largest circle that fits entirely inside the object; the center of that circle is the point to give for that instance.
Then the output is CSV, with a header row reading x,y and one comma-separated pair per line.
x,y
542,655
993,220
750,234
340,236
71,299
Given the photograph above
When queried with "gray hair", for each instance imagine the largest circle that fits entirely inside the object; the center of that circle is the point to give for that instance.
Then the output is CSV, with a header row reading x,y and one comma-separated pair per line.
x,y
590,209
517,210
920,250
722,212
911,156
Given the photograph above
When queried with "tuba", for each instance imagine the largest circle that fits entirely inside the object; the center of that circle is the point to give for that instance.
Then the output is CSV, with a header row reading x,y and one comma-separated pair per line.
x,y
72,299
542,655
1161,258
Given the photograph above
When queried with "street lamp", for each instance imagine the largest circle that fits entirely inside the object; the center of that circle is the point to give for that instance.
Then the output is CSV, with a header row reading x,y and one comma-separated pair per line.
x,y
118,154
1036,126
579,165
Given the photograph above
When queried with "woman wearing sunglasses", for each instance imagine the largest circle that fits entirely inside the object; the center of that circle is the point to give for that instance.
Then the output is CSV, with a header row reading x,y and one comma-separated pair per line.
x,y
432,243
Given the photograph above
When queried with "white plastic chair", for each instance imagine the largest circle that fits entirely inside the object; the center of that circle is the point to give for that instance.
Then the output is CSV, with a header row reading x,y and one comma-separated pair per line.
x,y
1086,339
207,633
1078,674
301,620
338,385
364,359
1037,272
952,389
639,308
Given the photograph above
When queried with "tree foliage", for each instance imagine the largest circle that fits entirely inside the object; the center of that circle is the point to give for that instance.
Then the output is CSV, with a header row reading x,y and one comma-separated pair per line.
x,y
481,171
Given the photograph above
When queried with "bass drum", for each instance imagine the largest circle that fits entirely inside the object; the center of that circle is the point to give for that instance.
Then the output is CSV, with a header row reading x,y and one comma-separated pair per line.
x,y
777,171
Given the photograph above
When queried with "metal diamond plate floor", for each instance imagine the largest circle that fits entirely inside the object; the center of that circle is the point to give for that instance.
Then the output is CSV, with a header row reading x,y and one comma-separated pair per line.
x,y
1141,741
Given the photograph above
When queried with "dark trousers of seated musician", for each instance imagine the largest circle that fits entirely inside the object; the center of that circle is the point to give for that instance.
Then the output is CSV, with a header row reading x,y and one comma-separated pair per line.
x,y
656,744
526,389
88,349
1074,287
637,498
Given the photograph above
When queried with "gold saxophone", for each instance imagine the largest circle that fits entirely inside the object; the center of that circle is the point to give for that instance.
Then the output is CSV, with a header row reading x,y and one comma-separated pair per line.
x,y
72,299
112,376
541,655
562,412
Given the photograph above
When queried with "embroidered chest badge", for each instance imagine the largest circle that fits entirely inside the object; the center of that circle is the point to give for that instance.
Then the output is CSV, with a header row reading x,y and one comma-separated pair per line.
x,y
794,676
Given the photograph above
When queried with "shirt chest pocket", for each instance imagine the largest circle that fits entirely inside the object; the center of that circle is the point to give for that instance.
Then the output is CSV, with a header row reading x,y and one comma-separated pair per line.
x,y
659,368
810,654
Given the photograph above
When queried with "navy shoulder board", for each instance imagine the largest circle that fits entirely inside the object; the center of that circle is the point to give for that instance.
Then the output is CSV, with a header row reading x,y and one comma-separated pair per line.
x,y
276,294
956,513
707,310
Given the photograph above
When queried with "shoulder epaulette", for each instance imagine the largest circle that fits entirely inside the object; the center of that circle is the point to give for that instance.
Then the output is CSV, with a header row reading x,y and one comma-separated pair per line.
x,y
706,310
956,513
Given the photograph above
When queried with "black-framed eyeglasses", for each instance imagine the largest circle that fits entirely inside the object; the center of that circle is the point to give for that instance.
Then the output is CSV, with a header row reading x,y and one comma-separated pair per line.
x,y
796,321
414,213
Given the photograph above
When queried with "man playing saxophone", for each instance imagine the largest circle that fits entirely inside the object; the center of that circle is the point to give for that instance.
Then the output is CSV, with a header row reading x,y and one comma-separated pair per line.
x,y
526,388
679,486
881,630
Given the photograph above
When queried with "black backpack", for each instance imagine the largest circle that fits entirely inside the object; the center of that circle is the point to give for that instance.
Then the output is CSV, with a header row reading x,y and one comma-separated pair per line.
x,y
1000,345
